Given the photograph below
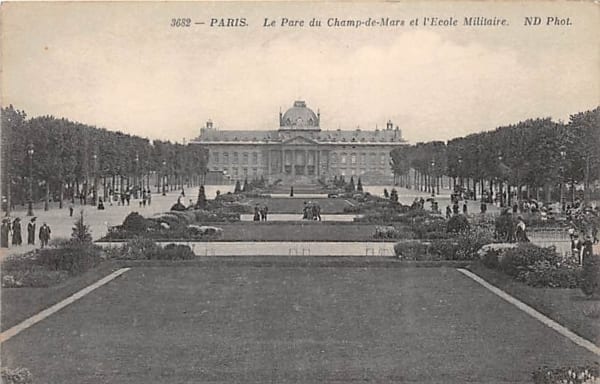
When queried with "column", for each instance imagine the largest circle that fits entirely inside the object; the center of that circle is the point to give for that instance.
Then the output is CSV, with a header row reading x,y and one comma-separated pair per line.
x,y
293,163
305,162
318,162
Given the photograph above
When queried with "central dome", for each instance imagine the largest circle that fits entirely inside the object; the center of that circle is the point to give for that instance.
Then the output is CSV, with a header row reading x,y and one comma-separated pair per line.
x,y
299,116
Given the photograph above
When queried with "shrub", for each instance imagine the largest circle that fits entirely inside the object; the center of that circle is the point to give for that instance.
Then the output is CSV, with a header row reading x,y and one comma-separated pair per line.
x,y
178,206
136,223
575,375
138,248
16,376
445,249
457,224
81,231
470,241
590,275
146,249
540,267
410,250
201,200
50,266
517,259
174,252
74,258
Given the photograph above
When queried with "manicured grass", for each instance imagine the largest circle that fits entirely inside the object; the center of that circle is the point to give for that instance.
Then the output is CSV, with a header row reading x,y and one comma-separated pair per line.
x,y
17,304
242,324
303,231
281,205
569,307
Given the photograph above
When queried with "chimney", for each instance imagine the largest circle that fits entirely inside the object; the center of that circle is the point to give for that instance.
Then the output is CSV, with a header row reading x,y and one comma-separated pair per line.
x,y
389,126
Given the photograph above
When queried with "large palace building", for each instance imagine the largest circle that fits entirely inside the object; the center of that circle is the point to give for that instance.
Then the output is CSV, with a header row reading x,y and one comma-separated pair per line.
x,y
299,151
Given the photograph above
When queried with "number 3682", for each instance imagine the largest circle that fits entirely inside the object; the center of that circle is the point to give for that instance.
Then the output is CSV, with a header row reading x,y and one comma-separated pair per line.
x,y
181,22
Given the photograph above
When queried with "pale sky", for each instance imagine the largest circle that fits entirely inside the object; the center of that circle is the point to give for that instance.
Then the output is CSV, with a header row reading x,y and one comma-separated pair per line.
x,y
122,67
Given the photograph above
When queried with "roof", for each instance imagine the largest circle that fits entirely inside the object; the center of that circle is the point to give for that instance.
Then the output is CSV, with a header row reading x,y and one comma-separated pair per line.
x,y
337,136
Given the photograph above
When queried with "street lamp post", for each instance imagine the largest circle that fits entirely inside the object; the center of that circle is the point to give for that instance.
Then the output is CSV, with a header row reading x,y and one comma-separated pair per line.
x,y
164,190
433,174
563,155
136,180
30,152
95,189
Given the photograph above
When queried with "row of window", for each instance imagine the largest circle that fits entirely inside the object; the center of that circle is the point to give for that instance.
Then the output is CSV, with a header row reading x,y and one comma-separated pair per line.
x,y
236,158
342,158
360,158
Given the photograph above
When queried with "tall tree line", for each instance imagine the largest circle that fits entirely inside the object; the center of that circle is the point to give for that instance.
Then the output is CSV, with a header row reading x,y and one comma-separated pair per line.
x,y
60,159
535,156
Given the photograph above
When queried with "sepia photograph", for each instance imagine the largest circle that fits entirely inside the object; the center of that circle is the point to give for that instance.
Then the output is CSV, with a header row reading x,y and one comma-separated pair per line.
x,y
299,192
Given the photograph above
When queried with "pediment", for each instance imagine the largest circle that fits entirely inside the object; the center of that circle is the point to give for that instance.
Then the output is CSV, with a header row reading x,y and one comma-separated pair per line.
x,y
299,140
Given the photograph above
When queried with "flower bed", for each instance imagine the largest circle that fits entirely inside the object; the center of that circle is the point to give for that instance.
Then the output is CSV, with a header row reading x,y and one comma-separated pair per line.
x,y
50,266
568,375
535,266
16,376
463,246
146,249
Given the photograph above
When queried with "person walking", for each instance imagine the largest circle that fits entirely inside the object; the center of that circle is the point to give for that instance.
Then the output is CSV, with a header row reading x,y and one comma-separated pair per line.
x,y
100,204
266,212
520,233
44,234
17,239
70,210
31,231
256,214
4,233
465,208
149,198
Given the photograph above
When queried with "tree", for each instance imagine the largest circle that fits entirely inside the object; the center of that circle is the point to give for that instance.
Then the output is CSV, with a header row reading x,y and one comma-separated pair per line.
x,y
201,201
81,231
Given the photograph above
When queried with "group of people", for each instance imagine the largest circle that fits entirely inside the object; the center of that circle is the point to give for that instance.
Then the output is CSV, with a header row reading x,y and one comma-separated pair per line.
x,y
12,231
311,211
260,213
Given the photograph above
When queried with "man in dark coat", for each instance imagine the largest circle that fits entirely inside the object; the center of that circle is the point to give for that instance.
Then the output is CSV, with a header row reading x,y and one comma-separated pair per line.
x,y
31,231
16,236
45,234
4,231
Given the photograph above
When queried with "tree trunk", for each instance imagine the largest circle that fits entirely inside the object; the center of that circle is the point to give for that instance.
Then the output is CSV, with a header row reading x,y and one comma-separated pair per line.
x,y
47,199
62,194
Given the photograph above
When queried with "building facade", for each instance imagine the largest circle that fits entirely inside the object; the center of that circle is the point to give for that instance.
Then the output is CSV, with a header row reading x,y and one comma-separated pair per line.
x,y
300,151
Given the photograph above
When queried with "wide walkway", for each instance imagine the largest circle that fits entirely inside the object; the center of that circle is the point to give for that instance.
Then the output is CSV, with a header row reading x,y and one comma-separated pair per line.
x,y
99,221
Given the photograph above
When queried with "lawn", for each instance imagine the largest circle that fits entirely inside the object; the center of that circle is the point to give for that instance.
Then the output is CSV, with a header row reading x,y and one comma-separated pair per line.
x,y
244,324
283,205
569,307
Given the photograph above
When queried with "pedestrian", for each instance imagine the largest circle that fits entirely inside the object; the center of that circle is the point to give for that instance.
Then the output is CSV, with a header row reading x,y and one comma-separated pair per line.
x,y
448,212
256,214
576,248
100,204
455,207
16,232
261,211
4,233
31,231
465,208
520,232
483,207
266,212
149,198
316,212
44,234
70,210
